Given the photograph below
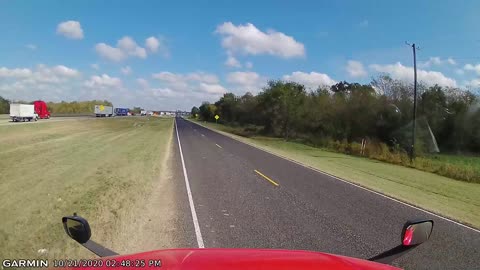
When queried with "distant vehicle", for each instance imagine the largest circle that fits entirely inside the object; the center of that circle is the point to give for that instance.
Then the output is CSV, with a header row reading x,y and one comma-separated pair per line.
x,y
142,113
41,109
121,111
103,111
22,112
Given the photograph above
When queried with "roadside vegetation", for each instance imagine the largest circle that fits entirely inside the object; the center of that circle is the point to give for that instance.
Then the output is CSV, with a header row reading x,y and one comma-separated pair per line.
x,y
373,121
106,170
457,200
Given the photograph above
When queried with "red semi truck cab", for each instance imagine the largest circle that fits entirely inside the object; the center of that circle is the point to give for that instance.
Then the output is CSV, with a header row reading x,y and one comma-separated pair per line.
x,y
41,109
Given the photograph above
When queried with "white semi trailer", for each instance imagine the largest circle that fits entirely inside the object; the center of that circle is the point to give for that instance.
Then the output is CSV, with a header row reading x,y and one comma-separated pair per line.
x,y
103,111
22,112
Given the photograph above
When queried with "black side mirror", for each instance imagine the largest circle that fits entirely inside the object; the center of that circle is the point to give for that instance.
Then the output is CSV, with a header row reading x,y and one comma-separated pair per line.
x,y
414,233
77,228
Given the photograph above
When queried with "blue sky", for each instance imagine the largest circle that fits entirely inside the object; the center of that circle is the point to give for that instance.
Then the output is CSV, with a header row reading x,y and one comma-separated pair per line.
x,y
197,50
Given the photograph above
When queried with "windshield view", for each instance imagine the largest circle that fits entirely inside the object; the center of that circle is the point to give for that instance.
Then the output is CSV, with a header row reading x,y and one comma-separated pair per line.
x,y
240,134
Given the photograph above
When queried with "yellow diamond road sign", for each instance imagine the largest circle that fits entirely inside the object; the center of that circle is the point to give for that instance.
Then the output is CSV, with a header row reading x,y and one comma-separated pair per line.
x,y
102,107
216,117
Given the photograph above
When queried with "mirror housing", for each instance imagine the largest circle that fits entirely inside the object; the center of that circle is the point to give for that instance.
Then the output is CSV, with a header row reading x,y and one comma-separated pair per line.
x,y
77,228
416,232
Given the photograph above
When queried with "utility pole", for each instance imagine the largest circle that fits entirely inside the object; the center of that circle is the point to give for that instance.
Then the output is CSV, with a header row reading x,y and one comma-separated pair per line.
x,y
412,148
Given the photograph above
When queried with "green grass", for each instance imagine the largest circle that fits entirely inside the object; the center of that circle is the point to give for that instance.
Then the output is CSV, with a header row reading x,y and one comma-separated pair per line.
x,y
451,198
473,161
103,169
464,168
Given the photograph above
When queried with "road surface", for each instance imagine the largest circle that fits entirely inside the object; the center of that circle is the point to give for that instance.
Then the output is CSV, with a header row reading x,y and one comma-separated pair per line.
x,y
246,198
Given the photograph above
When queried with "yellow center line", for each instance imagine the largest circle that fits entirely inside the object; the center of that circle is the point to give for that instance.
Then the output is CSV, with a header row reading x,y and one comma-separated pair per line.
x,y
266,177
218,146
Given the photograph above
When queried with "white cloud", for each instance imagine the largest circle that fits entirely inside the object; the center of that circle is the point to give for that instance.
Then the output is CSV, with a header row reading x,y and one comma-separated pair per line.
x,y
41,74
152,44
167,76
451,61
95,66
473,83
248,39
202,77
42,82
212,88
164,93
401,72
15,72
70,29
110,53
127,47
355,69
310,80
157,45
232,62
436,61
143,83
470,67
193,87
246,81
65,71
194,76
103,81
31,46
127,44
126,70
249,65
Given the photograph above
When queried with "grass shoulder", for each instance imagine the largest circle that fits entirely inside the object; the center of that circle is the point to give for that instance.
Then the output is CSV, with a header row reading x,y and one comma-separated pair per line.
x,y
103,169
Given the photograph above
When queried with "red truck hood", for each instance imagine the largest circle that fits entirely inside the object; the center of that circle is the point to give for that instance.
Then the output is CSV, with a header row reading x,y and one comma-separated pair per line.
x,y
241,259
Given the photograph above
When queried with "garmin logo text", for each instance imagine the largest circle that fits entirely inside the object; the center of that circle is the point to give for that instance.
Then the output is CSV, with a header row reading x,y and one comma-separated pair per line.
x,y
25,263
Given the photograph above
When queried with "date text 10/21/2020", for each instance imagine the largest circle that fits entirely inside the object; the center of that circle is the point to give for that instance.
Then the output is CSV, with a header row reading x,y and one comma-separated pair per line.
x,y
81,263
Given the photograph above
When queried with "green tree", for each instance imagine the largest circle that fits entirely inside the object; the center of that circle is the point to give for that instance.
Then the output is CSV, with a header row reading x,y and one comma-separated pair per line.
x,y
281,103
195,111
136,110
4,106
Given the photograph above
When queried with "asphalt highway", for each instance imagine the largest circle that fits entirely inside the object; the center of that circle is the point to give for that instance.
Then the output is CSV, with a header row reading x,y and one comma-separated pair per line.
x,y
244,197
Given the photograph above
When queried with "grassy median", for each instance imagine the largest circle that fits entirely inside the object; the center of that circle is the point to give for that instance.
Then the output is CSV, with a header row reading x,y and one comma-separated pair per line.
x,y
103,169
451,198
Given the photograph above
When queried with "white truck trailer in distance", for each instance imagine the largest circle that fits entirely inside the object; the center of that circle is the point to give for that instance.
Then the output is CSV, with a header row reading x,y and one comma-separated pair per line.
x,y
103,111
22,112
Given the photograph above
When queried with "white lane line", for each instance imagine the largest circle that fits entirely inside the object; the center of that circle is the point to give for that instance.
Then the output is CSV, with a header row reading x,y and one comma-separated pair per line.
x,y
218,146
198,233
203,135
348,182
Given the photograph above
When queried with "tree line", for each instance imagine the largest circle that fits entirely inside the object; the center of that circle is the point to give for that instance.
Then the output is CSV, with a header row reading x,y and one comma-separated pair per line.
x,y
448,119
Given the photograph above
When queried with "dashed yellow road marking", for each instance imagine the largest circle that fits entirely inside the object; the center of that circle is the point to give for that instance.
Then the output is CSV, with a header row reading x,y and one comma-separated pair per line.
x,y
266,177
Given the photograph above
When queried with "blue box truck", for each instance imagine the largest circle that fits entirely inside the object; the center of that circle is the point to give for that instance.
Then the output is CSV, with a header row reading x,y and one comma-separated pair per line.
x,y
121,111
